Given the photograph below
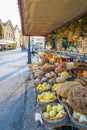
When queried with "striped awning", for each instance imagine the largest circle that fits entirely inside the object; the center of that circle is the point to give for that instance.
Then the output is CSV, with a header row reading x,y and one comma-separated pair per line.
x,y
40,17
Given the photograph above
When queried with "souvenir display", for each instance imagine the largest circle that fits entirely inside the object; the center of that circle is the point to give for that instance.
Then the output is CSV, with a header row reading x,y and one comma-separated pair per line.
x,y
61,98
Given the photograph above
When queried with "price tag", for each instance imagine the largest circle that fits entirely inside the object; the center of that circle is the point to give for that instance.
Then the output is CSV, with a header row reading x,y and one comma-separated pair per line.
x,y
38,117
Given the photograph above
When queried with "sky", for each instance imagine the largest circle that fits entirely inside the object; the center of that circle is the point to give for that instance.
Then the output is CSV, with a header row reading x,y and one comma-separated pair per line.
x,y
9,11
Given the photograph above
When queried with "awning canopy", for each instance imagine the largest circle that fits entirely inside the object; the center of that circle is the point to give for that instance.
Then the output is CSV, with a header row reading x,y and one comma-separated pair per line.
x,y
40,17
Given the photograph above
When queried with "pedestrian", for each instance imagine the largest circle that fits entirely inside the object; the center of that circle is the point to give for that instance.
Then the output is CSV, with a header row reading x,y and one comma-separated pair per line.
x,y
22,47
33,52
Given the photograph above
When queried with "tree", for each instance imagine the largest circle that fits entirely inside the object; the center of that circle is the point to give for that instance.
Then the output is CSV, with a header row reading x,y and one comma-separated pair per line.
x,y
0,34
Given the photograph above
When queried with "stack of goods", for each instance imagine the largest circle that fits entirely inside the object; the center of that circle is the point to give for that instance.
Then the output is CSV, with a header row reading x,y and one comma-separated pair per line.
x,y
54,87
38,77
48,67
60,79
43,87
44,60
50,72
54,115
63,90
52,84
51,77
41,77
34,66
59,69
45,72
46,97
54,111
77,99
50,56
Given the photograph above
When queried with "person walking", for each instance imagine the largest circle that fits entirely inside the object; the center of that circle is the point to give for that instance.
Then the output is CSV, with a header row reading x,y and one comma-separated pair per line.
x,y
22,47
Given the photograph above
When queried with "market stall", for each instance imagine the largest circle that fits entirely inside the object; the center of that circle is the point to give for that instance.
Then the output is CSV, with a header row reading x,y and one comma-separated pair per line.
x,y
7,44
60,92
59,80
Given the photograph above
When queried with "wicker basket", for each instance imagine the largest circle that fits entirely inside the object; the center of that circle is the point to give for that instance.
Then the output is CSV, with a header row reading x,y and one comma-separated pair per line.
x,y
45,103
75,122
39,92
54,123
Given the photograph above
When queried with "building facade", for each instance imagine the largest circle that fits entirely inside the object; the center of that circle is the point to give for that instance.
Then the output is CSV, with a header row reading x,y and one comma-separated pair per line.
x,y
1,30
17,36
23,39
8,32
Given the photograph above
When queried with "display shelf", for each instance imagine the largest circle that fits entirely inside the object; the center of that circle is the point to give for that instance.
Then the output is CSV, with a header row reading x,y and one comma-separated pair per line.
x,y
73,55
69,126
